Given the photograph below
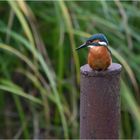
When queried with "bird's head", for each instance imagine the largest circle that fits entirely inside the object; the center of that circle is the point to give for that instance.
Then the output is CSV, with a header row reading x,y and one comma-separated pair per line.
x,y
95,40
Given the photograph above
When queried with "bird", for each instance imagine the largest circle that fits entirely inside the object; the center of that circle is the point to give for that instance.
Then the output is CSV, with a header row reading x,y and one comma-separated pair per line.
x,y
99,55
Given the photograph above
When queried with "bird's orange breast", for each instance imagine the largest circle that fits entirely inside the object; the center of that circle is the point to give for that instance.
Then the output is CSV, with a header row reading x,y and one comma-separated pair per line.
x,y
99,58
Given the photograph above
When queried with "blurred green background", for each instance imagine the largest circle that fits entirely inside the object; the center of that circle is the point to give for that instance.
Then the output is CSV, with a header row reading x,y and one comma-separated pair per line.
x,y
39,67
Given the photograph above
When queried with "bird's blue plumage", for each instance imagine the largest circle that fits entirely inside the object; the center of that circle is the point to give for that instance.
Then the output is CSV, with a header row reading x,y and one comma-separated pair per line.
x,y
99,36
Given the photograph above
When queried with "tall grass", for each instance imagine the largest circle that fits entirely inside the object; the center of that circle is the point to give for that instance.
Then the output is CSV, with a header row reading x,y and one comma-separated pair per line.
x,y
40,67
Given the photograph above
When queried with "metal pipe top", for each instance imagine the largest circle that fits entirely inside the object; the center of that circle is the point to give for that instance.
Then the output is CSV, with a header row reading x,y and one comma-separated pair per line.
x,y
113,69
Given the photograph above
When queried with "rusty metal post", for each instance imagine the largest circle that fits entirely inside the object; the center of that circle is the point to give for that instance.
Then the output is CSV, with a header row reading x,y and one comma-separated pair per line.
x,y
100,103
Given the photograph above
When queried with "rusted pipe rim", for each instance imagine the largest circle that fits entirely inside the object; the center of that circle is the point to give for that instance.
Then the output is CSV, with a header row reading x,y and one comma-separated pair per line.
x,y
113,69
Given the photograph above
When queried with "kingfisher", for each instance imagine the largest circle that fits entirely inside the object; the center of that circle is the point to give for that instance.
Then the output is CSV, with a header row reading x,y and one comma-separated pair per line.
x,y
99,55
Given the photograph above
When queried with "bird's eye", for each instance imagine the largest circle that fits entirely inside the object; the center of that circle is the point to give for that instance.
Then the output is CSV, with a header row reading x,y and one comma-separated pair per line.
x,y
89,41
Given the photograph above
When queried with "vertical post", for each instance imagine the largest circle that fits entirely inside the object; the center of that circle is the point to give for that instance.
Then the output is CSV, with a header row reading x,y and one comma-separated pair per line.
x,y
100,103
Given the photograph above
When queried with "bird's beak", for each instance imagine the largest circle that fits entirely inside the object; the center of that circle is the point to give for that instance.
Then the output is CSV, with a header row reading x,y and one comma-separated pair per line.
x,y
82,46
